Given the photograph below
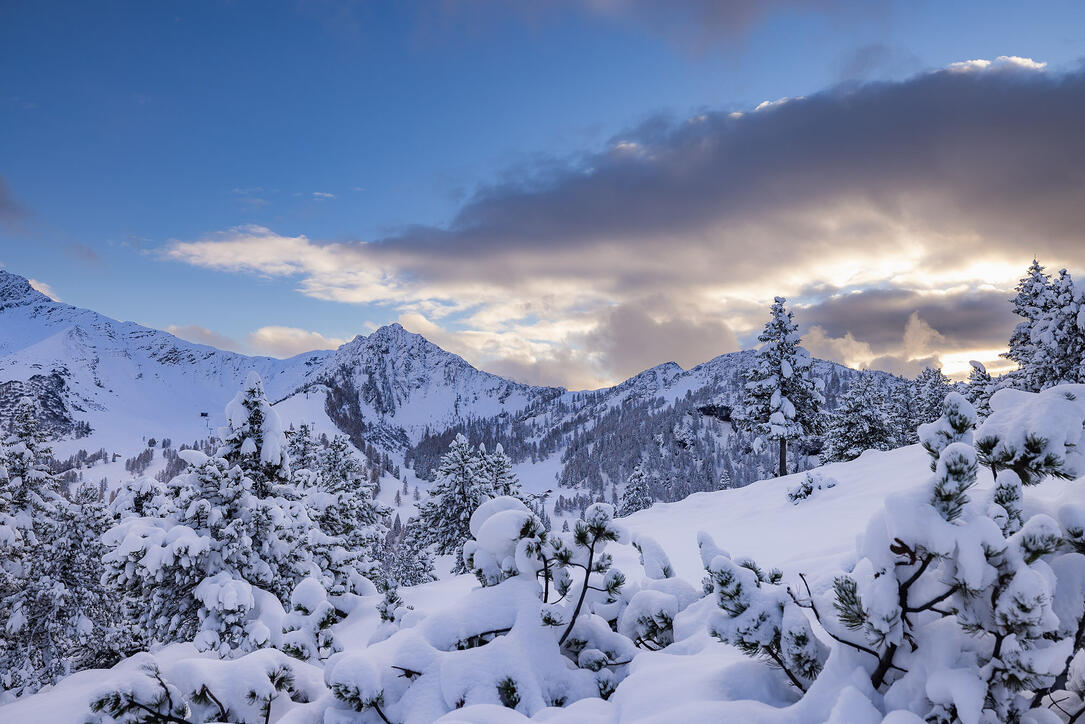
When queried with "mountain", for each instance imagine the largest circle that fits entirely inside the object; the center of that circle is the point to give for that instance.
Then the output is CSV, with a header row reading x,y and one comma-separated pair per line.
x,y
111,384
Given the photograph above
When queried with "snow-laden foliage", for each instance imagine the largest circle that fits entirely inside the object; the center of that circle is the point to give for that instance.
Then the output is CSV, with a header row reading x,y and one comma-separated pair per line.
x,y
955,425
811,482
214,557
960,608
410,563
496,472
931,387
782,401
444,519
980,388
860,423
637,494
55,614
351,525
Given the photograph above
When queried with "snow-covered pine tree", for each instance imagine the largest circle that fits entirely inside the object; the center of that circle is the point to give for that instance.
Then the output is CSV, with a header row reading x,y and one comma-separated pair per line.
x,y
445,519
497,473
351,525
980,388
1058,342
931,388
302,447
409,563
902,414
955,425
781,400
859,424
253,441
57,616
1033,300
637,494
725,482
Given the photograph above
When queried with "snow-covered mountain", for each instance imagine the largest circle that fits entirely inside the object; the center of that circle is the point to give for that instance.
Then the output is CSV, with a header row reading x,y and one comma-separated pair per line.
x,y
118,383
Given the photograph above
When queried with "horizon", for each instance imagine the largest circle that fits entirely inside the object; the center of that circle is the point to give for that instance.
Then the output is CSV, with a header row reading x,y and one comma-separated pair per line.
x,y
564,196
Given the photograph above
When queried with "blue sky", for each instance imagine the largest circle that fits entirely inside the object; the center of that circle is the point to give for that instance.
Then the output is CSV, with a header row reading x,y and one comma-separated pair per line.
x,y
128,130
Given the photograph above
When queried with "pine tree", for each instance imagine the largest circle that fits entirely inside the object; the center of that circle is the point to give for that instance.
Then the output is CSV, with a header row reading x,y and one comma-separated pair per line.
x,y
1034,298
859,424
351,523
302,447
410,563
497,473
931,388
253,441
637,494
903,420
781,400
980,388
725,482
1058,343
446,516
56,615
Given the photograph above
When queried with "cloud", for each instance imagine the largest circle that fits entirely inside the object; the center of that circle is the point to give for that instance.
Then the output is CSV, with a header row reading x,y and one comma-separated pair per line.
x,y
323,195
863,203
203,335
84,253
44,289
273,341
279,341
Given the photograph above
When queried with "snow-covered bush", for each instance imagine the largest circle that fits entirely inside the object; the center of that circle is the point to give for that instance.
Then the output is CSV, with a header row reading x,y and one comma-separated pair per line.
x,y
959,607
955,425
244,690
758,617
307,628
810,483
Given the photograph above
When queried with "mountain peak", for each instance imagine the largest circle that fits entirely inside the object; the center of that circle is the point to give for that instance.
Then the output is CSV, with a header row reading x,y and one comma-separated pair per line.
x,y
16,291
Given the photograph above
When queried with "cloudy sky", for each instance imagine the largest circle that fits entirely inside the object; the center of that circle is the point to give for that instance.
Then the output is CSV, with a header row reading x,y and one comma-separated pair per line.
x,y
564,193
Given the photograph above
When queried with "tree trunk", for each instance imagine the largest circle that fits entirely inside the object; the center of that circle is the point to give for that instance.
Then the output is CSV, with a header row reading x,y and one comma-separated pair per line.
x,y
783,456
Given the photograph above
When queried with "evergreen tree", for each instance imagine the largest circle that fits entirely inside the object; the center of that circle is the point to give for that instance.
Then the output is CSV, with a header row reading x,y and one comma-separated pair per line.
x,y
980,388
725,482
903,419
302,447
351,524
931,388
497,472
781,400
1058,342
56,615
859,424
446,517
637,494
410,563
1033,300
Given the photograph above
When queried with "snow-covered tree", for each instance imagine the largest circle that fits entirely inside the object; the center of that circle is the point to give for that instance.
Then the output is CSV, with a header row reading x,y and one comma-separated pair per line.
x,y
302,447
1033,300
210,565
1058,341
445,518
637,494
409,563
347,542
860,423
497,473
980,388
955,425
55,615
903,417
781,400
931,388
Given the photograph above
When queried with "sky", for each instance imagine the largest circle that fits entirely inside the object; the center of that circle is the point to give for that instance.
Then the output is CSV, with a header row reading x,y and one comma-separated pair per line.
x,y
564,193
